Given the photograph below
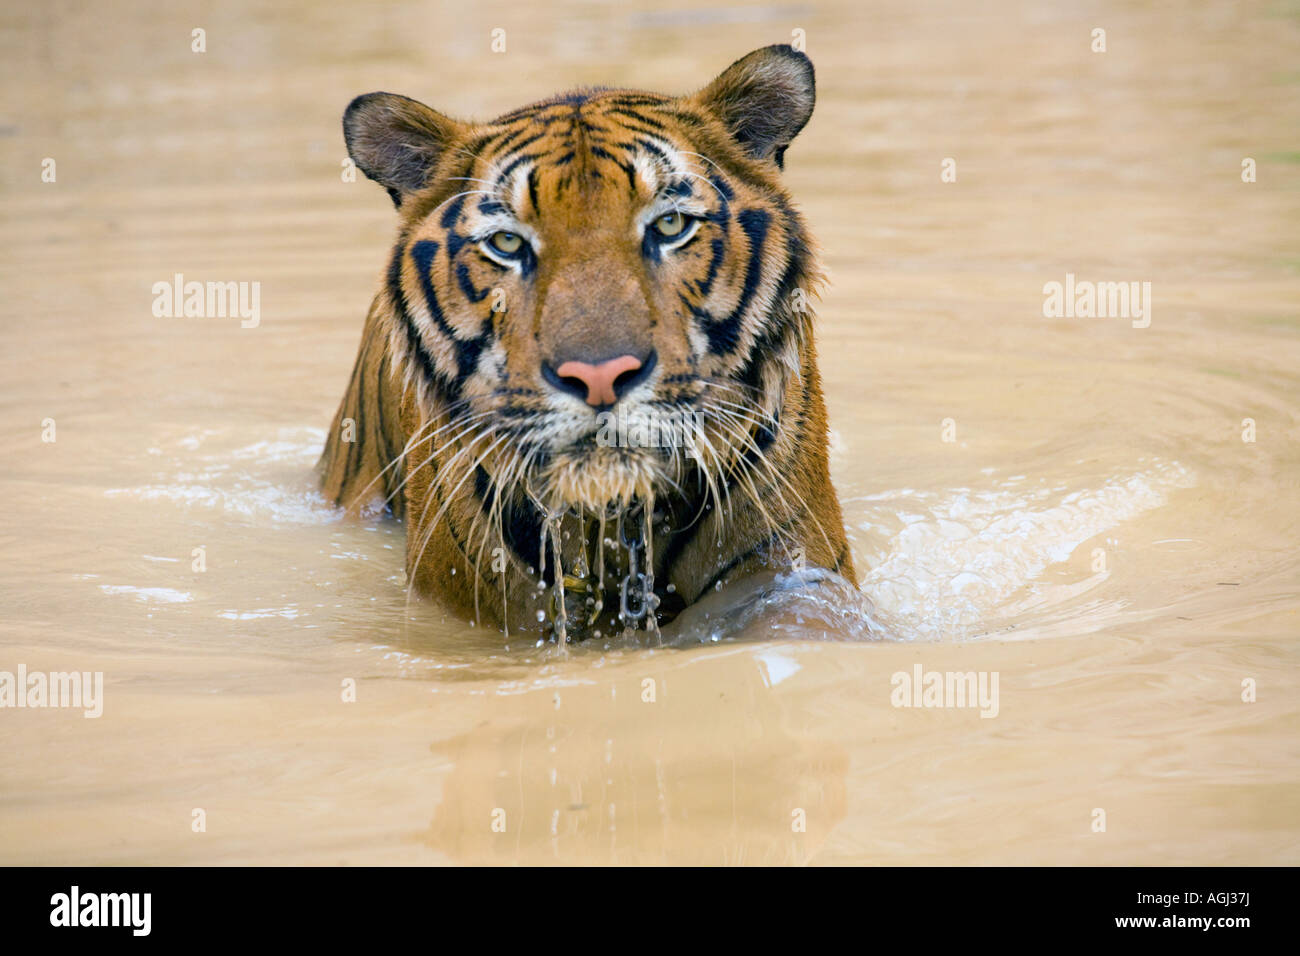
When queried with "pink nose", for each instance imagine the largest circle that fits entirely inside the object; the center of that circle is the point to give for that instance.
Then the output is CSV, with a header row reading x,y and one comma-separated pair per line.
x,y
599,379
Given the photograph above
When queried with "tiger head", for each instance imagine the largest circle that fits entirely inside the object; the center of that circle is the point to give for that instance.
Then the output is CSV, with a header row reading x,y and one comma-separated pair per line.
x,y
606,290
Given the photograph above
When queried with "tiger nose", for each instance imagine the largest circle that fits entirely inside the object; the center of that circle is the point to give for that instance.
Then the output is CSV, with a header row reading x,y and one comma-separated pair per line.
x,y
603,383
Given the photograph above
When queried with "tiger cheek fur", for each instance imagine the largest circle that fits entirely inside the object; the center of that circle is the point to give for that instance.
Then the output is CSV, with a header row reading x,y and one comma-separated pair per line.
x,y
591,266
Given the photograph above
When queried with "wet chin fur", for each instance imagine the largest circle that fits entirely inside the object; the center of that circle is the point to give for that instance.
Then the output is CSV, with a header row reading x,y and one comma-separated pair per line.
x,y
597,477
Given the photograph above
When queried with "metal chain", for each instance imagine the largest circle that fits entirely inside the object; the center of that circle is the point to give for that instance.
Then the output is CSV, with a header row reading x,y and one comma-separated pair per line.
x,y
635,597
629,534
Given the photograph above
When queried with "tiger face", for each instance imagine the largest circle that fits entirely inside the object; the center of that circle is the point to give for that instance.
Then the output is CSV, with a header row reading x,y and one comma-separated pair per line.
x,y
600,278
596,305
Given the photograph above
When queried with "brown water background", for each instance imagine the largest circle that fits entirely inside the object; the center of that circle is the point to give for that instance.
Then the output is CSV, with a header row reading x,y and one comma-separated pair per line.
x,y
1096,532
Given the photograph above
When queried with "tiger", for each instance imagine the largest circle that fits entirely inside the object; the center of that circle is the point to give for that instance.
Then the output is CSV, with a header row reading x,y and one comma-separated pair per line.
x,y
588,383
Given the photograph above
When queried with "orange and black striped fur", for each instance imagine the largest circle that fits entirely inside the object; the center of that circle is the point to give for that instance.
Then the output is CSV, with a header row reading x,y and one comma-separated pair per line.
x,y
602,256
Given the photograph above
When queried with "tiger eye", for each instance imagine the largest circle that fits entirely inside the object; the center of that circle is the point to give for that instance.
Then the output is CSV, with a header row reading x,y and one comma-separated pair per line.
x,y
507,243
670,225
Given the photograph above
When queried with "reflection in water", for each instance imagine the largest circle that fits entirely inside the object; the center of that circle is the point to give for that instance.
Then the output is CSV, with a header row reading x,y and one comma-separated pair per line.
x,y
619,771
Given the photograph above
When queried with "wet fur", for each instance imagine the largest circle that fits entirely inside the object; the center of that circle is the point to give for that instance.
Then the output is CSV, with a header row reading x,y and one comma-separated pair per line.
x,y
419,403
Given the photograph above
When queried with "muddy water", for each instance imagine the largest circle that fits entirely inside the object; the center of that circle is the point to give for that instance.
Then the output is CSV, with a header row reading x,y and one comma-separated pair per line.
x,y
1067,504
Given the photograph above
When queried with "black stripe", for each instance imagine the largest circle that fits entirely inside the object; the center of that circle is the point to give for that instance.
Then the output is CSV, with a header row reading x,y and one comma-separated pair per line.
x,y
451,215
635,115
722,186
520,522
508,145
724,335
628,169
485,258
705,285
510,167
678,190
636,99
413,340
467,350
489,139
467,284
532,190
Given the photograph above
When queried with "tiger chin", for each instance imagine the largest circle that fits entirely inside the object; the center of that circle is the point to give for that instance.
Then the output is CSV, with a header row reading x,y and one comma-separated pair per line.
x,y
588,383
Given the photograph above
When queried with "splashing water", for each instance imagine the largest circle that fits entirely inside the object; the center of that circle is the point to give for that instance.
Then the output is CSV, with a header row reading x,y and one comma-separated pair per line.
x,y
948,564
955,560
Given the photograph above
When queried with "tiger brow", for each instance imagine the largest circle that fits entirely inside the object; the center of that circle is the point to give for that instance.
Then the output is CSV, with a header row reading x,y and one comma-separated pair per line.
x,y
678,189
672,184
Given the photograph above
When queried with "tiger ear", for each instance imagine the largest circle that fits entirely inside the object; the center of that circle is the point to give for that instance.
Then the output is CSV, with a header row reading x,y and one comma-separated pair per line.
x,y
397,141
764,99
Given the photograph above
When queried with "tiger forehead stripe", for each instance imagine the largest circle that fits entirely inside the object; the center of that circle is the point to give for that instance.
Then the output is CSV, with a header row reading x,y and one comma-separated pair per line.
x,y
585,122
654,166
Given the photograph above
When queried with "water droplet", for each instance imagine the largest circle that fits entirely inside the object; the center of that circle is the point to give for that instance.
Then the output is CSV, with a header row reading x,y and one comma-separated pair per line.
x,y
541,616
